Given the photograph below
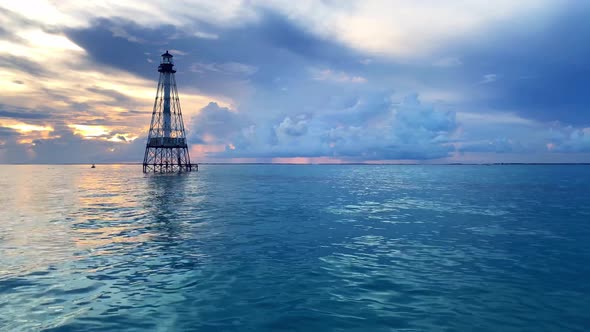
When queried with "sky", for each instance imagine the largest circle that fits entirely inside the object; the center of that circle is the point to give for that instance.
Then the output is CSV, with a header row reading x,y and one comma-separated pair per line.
x,y
324,81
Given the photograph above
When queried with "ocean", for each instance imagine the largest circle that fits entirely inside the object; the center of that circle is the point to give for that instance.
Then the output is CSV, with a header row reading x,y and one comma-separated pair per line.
x,y
295,248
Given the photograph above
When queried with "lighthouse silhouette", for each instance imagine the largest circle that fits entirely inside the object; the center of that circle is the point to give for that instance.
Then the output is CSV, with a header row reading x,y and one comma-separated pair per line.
x,y
166,150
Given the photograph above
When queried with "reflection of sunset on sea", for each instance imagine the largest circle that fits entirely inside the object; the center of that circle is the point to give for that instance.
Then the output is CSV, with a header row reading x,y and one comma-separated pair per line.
x,y
96,228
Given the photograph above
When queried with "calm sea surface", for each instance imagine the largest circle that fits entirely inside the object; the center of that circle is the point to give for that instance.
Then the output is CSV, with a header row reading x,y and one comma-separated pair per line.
x,y
295,248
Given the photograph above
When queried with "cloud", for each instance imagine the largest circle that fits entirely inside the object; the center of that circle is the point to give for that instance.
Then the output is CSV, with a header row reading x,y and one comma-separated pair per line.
x,y
395,27
330,75
500,145
20,114
49,78
488,78
205,35
447,62
509,134
406,130
405,29
8,132
66,147
570,140
224,68
292,127
308,80
215,124
545,72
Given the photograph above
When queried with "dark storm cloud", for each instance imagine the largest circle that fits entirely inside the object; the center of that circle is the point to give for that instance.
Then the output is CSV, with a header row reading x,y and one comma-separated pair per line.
x,y
541,69
21,113
8,132
111,49
117,98
4,34
283,34
217,122
259,52
24,65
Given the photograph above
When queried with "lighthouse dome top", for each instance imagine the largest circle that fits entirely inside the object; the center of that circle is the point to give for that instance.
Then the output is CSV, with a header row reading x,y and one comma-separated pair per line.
x,y
167,58
166,66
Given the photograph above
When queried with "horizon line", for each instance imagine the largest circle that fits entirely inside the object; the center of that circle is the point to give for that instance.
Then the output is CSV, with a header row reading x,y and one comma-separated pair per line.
x,y
329,164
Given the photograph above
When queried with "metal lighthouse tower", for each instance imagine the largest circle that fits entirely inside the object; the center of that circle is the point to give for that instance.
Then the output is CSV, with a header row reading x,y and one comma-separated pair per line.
x,y
166,150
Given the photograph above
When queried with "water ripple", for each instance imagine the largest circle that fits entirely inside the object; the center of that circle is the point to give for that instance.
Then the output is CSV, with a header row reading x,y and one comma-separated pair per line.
x,y
234,248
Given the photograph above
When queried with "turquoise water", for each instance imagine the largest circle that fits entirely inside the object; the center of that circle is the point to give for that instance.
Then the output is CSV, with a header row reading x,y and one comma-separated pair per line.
x,y
295,248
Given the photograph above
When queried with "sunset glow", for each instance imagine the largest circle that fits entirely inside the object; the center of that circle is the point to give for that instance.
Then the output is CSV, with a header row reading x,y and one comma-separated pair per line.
x,y
371,81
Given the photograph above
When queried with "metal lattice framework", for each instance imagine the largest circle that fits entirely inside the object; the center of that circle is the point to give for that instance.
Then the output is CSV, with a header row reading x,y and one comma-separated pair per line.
x,y
166,150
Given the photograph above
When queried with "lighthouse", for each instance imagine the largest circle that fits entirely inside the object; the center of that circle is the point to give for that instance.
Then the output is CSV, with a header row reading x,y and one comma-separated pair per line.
x,y
166,150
